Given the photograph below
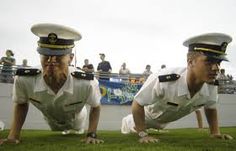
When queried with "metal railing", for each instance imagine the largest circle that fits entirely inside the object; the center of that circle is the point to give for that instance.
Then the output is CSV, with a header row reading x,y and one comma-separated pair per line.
x,y
7,76
115,77
7,73
225,86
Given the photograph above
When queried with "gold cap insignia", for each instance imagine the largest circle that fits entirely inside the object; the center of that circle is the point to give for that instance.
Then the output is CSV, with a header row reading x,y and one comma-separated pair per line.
x,y
52,38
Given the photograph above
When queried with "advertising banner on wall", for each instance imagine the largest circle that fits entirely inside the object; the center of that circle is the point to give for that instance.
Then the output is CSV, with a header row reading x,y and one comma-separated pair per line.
x,y
118,93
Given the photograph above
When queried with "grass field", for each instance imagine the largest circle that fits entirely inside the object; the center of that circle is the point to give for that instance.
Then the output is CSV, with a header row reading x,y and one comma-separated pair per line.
x,y
174,140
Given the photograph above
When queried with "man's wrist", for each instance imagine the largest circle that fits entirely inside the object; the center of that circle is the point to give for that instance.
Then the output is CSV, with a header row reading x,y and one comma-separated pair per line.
x,y
142,134
92,134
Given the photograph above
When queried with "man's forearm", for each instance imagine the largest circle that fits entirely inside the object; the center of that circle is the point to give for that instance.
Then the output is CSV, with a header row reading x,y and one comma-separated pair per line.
x,y
93,119
20,112
139,116
212,118
90,70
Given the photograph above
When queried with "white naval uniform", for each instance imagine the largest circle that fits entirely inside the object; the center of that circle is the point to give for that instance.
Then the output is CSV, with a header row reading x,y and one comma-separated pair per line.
x,y
165,102
64,110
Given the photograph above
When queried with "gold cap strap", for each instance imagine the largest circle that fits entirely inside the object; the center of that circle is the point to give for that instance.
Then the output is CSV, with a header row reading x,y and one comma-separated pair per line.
x,y
55,46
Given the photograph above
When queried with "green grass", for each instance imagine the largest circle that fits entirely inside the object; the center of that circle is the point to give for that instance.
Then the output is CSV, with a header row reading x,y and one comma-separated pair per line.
x,y
175,140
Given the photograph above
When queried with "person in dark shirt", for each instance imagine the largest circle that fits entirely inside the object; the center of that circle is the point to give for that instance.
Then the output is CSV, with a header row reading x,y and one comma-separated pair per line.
x,y
104,68
87,67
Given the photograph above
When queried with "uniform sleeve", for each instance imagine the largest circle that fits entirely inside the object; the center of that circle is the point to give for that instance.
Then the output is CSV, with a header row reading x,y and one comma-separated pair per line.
x,y
213,97
150,91
19,91
94,94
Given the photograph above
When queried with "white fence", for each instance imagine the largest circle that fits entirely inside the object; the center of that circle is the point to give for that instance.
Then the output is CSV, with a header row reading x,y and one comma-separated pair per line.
x,y
111,115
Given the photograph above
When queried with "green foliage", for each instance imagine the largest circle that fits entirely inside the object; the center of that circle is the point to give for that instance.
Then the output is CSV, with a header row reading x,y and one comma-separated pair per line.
x,y
174,140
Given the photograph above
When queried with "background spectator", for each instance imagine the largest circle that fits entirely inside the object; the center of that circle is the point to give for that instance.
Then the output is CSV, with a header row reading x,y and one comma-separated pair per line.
x,y
124,72
7,62
87,67
24,64
223,80
147,71
221,76
104,68
163,66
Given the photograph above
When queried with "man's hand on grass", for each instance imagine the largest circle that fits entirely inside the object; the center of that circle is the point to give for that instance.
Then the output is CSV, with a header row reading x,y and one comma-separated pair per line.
x,y
9,141
148,139
90,140
222,136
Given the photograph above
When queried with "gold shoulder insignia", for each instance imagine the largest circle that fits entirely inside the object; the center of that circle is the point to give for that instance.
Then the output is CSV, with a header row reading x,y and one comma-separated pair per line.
x,y
82,75
168,77
27,72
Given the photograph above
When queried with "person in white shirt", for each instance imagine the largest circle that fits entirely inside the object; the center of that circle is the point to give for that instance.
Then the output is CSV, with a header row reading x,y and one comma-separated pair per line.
x,y
56,90
171,94
124,72
147,72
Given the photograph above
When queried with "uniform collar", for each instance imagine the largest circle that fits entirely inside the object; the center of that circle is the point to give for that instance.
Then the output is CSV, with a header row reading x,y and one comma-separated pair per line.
x,y
183,86
68,86
204,90
40,85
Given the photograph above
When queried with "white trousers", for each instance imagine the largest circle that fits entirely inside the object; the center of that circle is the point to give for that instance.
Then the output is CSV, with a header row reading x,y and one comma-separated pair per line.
x,y
77,123
80,119
128,125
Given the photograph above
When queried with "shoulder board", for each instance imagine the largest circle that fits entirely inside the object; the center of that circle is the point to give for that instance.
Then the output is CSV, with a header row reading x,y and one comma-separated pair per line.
x,y
216,83
82,75
27,72
168,77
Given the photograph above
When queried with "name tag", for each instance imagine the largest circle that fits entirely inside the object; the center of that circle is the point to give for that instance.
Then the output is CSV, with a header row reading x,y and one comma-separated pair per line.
x,y
200,105
173,104
35,100
74,103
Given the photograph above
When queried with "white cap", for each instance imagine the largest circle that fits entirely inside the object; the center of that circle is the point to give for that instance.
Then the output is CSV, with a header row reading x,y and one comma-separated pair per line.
x,y
211,44
55,39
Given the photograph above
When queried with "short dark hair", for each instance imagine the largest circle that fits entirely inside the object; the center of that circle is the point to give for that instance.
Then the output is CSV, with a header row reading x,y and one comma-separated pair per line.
x,y
147,66
8,50
102,54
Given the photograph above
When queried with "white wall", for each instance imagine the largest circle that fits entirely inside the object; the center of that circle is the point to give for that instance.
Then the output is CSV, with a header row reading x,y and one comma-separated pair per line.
x,y
111,115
